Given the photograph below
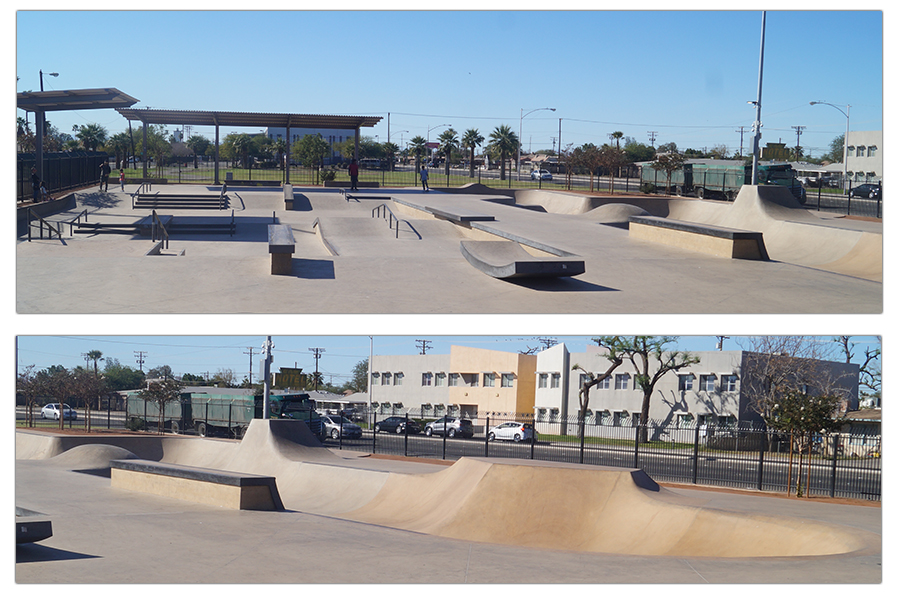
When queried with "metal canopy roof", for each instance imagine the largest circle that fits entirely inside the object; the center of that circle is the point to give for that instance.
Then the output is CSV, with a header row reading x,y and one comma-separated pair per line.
x,y
74,99
252,119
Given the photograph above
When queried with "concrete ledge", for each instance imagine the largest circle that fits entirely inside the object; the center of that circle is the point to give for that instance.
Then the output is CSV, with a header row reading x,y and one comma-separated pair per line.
x,y
713,240
236,491
281,248
288,197
509,260
346,184
457,218
32,526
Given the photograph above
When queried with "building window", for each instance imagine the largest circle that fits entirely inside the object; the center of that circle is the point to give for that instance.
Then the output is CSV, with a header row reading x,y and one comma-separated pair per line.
x,y
554,380
385,379
603,385
454,379
707,383
541,415
860,150
871,151
506,380
427,379
729,383
542,380
620,418
398,379
685,382
439,379
621,381
488,380
685,420
602,419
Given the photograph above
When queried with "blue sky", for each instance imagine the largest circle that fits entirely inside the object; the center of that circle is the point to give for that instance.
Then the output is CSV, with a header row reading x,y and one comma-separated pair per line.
x,y
198,354
685,75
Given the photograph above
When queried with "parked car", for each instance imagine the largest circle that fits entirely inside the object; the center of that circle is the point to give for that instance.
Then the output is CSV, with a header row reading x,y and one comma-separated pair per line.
x,y
514,431
866,190
51,411
542,174
453,426
398,424
336,425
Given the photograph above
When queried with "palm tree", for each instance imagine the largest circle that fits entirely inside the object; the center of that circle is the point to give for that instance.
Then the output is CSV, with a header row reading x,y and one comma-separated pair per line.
x,y
449,142
505,142
417,145
470,140
118,145
91,135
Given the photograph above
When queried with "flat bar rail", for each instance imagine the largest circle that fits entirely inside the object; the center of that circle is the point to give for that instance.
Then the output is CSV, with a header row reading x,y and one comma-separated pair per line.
x,y
393,222
158,231
42,224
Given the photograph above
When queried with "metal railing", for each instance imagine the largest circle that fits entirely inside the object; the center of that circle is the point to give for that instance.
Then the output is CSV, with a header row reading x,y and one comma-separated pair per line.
x,y
393,222
158,230
31,216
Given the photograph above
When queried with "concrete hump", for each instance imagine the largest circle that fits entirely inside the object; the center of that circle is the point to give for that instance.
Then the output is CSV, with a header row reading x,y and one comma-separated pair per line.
x,y
506,259
286,439
586,508
91,457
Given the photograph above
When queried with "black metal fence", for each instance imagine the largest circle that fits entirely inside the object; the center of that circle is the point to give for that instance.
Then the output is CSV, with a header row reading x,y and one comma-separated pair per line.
x,y
60,171
845,464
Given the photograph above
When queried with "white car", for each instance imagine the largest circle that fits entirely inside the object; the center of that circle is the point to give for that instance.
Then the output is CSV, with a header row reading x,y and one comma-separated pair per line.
x,y
542,175
514,431
51,411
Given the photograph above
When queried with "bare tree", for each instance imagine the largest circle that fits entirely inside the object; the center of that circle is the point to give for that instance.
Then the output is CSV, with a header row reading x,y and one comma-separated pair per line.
x,y
89,386
668,163
651,361
776,364
26,385
592,379
869,369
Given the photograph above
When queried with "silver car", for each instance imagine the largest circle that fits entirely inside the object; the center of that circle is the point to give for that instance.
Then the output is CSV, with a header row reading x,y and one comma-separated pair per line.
x,y
452,426
335,426
51,411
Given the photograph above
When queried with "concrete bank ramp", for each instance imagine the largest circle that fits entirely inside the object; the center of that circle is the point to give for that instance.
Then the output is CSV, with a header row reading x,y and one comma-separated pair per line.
x,y
91,457
791,233
582,508
507,259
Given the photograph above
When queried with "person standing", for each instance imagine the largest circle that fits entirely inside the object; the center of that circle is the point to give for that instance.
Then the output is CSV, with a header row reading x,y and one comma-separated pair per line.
x,y
423,174
122,179
35,184
353,170
104,175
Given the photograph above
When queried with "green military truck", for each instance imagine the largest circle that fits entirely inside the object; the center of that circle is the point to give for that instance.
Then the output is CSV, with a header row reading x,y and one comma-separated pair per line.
x,y
220,414
708,178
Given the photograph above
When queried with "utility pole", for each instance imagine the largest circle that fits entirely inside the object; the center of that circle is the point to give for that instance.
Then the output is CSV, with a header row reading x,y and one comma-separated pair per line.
x,y
741,131
317,354
266,351
720,342
799,130
653,135
757,124
422,344
250,352
140,356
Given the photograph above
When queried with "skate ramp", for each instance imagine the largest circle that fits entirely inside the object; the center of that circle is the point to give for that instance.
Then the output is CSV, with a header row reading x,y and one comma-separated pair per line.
x,y
507,259
586,509
91,457
791,233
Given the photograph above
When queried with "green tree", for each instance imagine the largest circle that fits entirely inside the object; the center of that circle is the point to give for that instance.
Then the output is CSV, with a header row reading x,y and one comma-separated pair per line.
x,y
611,159
89,386
118,145
449,142
418,148
505,143
638,152
90,136
360,380
835,150
58,382
471,139
27,386
161,392
310,150
588,157
120,377
390,150
198,145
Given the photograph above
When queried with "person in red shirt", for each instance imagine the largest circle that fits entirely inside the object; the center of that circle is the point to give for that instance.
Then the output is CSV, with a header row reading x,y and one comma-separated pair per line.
x,y
353,170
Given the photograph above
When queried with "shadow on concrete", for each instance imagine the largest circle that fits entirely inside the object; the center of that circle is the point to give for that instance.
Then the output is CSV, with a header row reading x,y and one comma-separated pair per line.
x,y
316,269
35,553
99,200
558,285
301,203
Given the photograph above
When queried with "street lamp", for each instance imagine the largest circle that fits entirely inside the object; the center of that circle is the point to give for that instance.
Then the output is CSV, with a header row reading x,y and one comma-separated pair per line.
x,y
428,134
519,147
41,73
846,135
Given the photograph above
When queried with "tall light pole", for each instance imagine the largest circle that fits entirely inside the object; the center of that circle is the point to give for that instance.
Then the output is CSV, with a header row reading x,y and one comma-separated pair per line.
x,y
428,134
41,74
846,135
754,180
519,147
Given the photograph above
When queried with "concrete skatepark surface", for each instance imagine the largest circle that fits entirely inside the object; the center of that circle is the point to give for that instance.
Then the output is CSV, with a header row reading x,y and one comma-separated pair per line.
x,y
347,261
515,521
